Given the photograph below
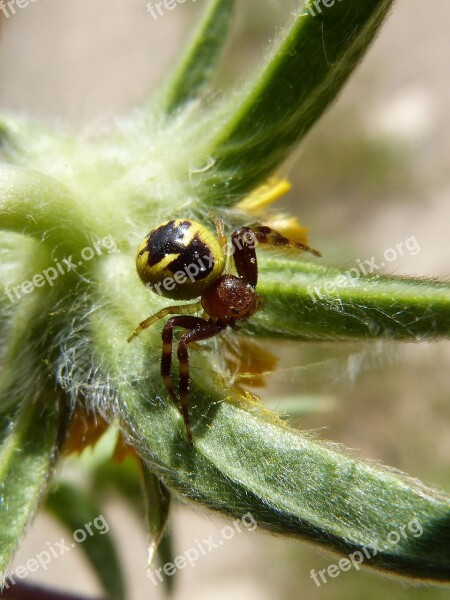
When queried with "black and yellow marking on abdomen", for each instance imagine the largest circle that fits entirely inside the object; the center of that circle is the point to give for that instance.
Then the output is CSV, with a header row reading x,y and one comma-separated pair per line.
x,y
169,238
180,246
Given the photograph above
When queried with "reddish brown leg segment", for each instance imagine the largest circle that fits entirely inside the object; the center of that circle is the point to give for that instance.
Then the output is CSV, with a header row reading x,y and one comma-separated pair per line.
x,y
199,329
244,254
203,332
244,242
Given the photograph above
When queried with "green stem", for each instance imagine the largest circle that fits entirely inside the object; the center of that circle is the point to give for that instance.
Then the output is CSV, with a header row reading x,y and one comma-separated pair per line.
x,y
200,60
309,301
302,77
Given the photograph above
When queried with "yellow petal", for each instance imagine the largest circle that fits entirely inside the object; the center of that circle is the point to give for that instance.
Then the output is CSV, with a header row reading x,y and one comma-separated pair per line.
x,y
264,195
256,204
290,227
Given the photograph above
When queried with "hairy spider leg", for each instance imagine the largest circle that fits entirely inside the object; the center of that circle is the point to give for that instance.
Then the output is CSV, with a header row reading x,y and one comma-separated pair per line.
x,y
182,309
243,240
267,235
199,329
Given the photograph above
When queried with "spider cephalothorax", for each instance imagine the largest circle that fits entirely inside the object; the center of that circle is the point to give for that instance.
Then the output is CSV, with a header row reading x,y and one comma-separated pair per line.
x,y
183,260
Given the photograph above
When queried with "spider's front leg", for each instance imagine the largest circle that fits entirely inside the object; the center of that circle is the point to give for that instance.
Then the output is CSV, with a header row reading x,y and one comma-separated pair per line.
x,y
199,329
244,253
244,241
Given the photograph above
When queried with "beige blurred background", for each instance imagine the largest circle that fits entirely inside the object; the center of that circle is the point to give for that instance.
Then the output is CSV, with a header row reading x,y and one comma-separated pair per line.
x,y
373,173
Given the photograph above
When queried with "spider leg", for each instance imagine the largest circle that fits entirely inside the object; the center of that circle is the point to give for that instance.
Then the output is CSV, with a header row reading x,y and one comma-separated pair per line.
x,y
182,309
199,329
220,228
267,235
244,254
244,241
166,358
187,322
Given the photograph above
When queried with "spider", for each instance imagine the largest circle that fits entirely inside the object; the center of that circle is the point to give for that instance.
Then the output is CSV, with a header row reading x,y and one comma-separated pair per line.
x,y
183,260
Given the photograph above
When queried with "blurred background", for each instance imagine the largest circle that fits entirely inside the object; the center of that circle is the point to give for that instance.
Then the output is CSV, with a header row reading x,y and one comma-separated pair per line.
x,y
372,174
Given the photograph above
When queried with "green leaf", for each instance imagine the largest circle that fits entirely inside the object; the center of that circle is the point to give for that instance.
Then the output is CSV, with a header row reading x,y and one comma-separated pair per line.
x,y
158,502
245,461
200,59
28,450
298,306
38,206
302,77
157,498
242,464
166,555
77,511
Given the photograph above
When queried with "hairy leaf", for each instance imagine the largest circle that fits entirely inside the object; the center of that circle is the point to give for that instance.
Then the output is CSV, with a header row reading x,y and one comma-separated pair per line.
x,y
295,485
28,450
244,460
38,206
158,506
309,301
302,77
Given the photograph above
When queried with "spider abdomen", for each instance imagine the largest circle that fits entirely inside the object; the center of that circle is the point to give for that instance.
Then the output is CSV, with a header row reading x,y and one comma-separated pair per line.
x,y
180,259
